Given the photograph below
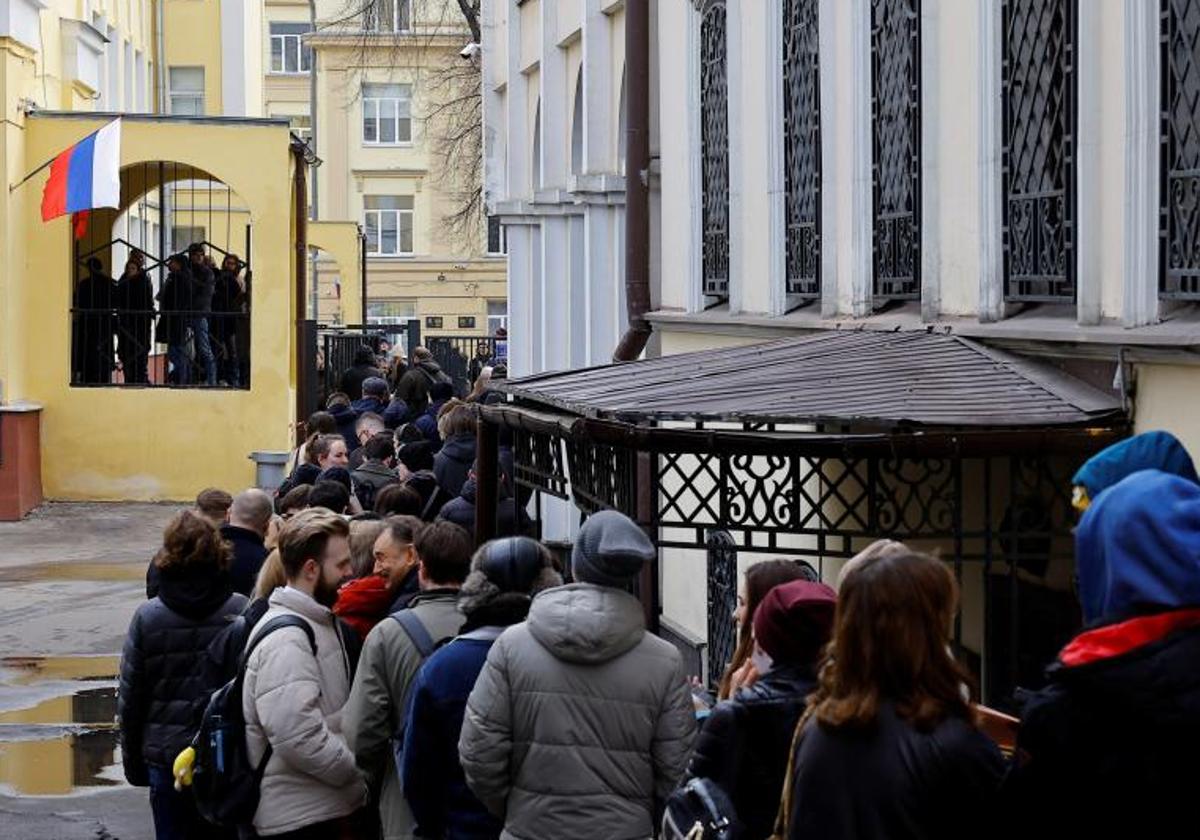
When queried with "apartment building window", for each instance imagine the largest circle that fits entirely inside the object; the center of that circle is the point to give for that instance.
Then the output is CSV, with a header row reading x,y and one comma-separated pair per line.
x,y
1039,124
896,129
184,235
388,220
302,127
391,311
497,316
388,16
186,89
1179,216
288,53
387,114
497,237
714,142
802,147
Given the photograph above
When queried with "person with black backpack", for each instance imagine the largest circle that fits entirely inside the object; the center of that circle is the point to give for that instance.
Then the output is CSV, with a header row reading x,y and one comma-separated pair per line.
x,y
391,657
165,679
293,697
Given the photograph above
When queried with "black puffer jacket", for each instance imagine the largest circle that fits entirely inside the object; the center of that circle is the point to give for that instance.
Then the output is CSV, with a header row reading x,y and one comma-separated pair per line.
x,y
165,675
511,520
1110,747
452,464
890,781
744,745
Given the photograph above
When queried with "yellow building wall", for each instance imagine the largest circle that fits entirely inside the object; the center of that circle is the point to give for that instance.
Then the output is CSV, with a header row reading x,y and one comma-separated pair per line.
x,y
192,38
153,443
1168,397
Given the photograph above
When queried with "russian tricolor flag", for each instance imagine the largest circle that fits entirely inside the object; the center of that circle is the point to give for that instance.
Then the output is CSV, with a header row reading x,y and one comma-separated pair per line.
x,y
85,176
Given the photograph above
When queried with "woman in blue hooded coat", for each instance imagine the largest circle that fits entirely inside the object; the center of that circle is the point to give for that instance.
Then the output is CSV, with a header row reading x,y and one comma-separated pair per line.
x,y
1111,746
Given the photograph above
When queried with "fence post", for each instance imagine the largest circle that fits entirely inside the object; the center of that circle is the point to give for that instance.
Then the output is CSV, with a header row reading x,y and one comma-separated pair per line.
x,y
486,480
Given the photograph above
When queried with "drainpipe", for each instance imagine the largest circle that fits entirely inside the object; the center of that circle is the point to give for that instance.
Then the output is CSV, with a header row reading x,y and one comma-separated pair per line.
x,y
637,180
162,60
300,210
312,117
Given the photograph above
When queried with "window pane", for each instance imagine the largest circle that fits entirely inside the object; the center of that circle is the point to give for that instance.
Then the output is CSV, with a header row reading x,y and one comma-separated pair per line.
x,y
387,121
290,28
386,15
497,307
187,80
277,55
388,202
291,55
376,90
305,59
372,227
370,125
388,238
406,232
404,131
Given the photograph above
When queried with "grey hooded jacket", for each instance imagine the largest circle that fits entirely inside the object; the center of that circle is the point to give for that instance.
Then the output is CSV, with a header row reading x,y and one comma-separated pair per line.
x,y
581,723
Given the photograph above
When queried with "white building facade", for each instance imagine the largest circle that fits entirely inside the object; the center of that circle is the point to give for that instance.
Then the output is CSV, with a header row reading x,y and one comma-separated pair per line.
x,y
1020,172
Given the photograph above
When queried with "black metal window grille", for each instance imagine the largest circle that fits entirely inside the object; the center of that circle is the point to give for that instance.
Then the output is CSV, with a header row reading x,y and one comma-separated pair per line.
x,y
714,117
463,357
1179,210
802,146
145,312
896,142
722,602
1039,125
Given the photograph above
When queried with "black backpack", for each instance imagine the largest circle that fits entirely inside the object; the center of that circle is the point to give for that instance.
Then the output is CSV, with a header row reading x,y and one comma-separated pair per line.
x,y
701,810
225,784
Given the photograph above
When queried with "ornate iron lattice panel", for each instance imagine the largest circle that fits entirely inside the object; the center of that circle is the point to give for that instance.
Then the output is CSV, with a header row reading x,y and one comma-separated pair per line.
x,y
539,463
714,116
802,146
1179,260
602,477
896,126
722,603
1038,81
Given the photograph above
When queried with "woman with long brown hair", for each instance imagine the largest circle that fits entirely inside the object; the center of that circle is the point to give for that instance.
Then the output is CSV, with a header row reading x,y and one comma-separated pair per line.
x,y
758,580
889,746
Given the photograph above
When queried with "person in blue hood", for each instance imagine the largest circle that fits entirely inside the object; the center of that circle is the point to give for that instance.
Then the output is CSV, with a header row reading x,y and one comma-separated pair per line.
x,y
1147,451
1111,746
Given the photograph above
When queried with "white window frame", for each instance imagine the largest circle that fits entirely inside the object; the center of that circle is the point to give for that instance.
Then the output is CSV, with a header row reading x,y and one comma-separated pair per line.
x,y
401,18
394,316
372,106
174,95
302,53
379,215
495,322
487,236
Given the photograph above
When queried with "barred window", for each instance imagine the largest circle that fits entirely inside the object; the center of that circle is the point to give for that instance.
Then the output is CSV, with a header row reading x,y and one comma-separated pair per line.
x,y
896,141
1179,219
714,141
802,147
1038,80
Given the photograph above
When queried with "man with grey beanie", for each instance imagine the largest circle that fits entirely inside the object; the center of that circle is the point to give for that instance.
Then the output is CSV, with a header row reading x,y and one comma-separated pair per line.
x,y
581,722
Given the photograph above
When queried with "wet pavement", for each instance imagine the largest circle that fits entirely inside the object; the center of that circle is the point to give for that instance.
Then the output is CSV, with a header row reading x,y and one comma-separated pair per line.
x,y
71,577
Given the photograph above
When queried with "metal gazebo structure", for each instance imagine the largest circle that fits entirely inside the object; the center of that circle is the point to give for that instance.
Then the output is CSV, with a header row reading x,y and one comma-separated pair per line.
x,y
814,447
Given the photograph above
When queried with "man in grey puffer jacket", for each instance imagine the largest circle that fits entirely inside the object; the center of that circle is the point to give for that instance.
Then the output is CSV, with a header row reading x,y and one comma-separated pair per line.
x,y
581,723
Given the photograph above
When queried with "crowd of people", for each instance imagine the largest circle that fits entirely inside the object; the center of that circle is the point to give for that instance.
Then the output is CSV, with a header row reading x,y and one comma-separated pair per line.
x,y
202,318
449,691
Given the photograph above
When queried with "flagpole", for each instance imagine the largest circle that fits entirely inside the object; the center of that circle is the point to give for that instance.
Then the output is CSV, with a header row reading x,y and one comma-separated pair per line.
x,y
31,174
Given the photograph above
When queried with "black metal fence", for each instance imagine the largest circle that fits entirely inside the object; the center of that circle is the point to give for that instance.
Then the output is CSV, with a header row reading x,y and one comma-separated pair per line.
x,y
339,346
463,357
182,321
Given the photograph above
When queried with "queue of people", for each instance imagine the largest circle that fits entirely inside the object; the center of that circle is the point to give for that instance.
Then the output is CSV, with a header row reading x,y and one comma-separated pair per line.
x,y
200,313
435,690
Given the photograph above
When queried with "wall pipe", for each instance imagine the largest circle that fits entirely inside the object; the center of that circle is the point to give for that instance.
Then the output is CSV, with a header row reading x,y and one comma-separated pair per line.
x,y
637,181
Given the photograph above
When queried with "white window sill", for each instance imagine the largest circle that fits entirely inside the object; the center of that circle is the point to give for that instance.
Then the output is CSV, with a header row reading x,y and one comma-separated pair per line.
x,y
369,145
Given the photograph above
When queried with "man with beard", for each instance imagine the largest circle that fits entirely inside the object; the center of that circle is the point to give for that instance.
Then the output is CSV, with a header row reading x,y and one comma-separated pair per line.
x,y
392,655
293,699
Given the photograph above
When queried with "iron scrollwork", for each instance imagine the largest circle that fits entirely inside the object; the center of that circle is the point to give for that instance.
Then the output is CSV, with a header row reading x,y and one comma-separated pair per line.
x,y
1180,193
722,601
1039,149
714,137
916,497
896,126
802,146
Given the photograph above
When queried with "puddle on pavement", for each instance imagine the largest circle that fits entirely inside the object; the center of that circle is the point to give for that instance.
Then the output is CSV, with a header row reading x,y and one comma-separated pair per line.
x,y
57,730
76,572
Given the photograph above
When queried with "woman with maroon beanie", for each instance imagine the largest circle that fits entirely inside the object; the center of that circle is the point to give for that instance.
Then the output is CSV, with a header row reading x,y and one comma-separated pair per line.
x,y
743,747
